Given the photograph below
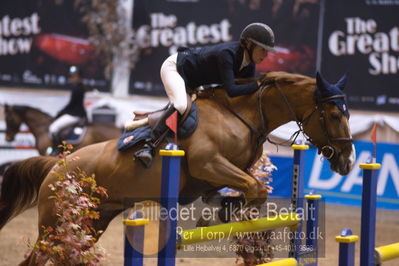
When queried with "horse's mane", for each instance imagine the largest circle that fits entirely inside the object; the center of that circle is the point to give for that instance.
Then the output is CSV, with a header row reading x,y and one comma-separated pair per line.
x,y
288,78
22,109
282,78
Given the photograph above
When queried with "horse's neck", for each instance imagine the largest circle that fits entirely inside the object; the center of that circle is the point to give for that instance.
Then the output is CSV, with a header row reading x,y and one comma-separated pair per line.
x,y
297,106
37,122
248,108
273,107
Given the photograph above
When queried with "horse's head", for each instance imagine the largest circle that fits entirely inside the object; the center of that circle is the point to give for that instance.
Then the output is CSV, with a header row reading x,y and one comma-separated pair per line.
x,y
328,125
13,122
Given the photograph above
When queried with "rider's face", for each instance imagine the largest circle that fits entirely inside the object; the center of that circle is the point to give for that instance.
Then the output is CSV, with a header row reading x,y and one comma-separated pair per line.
x,y
259,53
74,78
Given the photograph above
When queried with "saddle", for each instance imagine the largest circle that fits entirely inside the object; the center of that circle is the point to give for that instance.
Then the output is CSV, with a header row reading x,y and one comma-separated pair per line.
x,y
74,133
154,117
145,122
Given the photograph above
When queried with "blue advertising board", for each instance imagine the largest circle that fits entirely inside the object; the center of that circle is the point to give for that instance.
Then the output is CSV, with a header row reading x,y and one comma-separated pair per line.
x,y
344,189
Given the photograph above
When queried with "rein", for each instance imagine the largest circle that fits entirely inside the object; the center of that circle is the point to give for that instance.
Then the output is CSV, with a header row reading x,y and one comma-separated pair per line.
x,y
260,135
328,150
295,118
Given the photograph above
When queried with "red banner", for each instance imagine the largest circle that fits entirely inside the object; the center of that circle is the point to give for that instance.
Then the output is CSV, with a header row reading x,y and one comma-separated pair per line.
x,y
40,40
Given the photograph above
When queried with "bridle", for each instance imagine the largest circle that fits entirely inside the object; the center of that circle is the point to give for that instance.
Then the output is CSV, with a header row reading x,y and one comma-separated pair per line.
x,y
12,128
328,150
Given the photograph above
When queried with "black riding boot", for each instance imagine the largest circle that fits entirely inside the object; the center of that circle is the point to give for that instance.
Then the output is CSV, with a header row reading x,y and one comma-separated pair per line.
x,y
146,154
56,142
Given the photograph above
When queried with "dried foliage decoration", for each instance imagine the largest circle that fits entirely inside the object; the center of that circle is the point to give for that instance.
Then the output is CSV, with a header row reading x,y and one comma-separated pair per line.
x,y
72,240
110,32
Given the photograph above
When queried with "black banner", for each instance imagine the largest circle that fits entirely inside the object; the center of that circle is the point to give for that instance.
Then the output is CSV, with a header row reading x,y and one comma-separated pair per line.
x,y
164,25
362,38
40,40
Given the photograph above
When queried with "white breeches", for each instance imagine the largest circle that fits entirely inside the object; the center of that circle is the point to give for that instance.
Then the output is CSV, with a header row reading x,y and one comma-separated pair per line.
x,y
174,84
62,122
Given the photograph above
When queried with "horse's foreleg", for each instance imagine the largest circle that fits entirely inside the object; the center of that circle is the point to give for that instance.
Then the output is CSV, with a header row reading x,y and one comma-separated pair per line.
x,y
220,172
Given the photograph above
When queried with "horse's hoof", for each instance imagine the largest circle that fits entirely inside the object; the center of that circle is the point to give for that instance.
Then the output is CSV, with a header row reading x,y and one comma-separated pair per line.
x,y
230,206
202,222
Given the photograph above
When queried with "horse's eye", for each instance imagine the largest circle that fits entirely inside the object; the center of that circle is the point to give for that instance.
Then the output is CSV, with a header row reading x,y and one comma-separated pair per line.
x,y
336,116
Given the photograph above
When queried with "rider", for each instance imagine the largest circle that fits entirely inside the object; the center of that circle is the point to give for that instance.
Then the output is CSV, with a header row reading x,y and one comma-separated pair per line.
x,y
221,63
73,112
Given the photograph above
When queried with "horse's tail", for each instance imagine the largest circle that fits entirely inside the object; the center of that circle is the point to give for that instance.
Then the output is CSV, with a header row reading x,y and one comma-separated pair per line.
x,y
20,186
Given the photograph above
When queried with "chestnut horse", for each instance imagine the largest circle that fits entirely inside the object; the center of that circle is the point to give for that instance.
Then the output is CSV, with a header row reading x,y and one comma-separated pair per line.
x,y
227,141
38,123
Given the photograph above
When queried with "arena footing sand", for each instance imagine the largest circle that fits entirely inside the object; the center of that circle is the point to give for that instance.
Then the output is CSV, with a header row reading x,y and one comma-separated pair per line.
x,y
14,235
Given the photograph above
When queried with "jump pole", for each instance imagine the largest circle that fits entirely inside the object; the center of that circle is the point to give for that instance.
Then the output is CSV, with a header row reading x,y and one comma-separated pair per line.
x,y
17,147
169,199
385,253
347,242
312,226
297,193
169,196
285,262
309,255
369,254
170,180
134,255
368,214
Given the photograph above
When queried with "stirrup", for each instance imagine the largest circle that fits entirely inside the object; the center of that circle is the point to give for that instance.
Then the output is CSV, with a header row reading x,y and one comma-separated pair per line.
x,y
53,151
144,156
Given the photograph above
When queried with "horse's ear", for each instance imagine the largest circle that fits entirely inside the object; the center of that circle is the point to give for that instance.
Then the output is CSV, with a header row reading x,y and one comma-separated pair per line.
x,y
342,81
321,82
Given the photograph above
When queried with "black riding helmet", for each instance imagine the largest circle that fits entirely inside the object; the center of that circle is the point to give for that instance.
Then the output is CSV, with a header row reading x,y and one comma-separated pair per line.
x,y
75,70
258,34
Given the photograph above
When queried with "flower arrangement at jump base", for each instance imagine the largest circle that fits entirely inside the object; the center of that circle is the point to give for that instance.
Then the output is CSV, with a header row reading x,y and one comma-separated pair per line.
x,y
72,240
262,170
256,248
